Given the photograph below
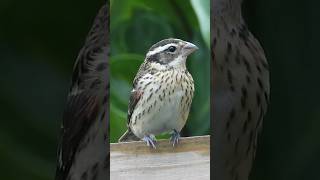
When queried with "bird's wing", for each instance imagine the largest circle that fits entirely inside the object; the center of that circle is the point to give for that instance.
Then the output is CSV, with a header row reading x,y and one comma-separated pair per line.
x,y
135,93
143,70
81,111
134,99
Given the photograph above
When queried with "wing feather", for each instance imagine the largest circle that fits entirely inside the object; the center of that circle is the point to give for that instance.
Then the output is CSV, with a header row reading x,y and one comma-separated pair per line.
x,y
80,113
134,99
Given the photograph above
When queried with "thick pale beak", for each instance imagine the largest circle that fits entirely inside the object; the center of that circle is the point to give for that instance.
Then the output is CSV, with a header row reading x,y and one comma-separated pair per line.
x,y
189,48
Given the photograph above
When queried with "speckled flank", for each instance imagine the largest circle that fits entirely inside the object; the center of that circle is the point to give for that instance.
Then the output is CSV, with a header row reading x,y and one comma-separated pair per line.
x,y
160,90
240,92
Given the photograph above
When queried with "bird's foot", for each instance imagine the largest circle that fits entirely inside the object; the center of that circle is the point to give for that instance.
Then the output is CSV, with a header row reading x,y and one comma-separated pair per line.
x,y
175,136
150,140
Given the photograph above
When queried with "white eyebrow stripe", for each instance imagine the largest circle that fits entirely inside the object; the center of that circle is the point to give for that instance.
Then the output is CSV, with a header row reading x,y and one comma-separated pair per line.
x,y
161,48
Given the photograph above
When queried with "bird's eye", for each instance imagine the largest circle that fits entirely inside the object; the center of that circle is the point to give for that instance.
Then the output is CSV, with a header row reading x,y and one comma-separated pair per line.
x,y
172,48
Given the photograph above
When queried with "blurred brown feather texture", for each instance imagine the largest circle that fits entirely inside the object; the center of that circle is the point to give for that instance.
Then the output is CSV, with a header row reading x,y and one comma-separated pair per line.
x,y
87,108
241,91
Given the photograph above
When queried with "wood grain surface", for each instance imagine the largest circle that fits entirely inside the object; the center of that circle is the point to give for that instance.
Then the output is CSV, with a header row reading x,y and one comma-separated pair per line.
x,y
189,160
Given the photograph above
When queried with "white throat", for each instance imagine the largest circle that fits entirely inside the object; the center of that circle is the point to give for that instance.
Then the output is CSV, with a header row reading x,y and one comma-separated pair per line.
x,y
179,62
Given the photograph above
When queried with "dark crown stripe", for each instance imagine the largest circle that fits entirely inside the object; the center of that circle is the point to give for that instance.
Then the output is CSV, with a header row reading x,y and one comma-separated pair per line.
x,y
164,42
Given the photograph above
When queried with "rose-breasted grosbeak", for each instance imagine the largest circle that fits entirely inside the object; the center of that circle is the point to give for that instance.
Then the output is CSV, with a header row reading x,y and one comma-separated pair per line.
x,y
162,93
240,91
83,150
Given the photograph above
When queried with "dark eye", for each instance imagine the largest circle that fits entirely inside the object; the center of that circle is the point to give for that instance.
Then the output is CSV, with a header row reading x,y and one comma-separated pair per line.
x,y
172,48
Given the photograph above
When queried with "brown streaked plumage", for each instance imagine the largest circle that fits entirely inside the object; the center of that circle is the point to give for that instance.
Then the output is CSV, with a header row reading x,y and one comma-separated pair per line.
x,y
162,93
240,91
82,152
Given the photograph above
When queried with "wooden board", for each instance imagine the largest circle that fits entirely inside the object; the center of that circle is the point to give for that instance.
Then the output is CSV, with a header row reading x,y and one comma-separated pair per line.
x,y
190,160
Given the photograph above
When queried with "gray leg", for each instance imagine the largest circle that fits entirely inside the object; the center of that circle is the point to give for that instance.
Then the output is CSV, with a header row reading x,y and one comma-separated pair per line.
x,y
175,137
150,140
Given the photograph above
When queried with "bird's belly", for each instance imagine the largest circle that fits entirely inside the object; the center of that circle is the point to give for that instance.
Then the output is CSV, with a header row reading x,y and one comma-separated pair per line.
x,y
165,116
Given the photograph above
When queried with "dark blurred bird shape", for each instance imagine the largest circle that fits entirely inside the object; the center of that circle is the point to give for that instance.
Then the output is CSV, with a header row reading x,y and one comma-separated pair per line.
x,y
241,91
83,149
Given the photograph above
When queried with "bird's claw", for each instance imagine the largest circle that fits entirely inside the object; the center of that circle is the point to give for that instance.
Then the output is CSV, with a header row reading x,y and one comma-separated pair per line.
x,y
175,136
150,140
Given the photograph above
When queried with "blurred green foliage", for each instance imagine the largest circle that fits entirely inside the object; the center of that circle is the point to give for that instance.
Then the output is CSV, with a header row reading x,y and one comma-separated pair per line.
x,y
39,42
135,27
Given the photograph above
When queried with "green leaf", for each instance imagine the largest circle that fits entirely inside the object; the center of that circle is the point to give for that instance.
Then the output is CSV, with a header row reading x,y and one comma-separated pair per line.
x,y
202,10
118,123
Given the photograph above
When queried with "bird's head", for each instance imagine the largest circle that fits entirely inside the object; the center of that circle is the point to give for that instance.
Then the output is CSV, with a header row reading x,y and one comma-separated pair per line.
x,y
170,53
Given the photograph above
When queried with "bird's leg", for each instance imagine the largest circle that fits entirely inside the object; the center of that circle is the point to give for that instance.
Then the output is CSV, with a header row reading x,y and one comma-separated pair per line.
x,y
150,140
175,135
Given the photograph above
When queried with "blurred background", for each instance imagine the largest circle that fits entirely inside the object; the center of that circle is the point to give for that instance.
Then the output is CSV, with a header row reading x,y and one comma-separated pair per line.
x,y
135,27
39,41
288,30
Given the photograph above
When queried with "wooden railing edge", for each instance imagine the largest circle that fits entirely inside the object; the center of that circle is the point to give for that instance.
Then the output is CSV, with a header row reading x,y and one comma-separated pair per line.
x,y
194,143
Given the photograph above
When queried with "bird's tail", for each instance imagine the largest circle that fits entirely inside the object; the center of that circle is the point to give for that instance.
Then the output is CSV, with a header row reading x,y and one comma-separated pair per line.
x,y
128,136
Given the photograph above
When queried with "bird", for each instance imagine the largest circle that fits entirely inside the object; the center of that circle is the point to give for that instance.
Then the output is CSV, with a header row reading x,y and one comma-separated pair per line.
x,y
241,91
83,148
162,93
